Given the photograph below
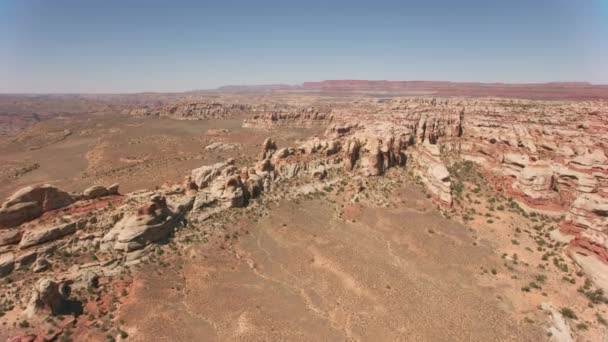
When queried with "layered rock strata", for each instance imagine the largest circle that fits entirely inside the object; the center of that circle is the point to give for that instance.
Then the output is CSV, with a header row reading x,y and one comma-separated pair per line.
x,y
193,111
302,117
548,157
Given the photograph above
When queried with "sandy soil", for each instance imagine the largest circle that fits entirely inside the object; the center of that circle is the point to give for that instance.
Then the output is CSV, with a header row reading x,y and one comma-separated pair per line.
x,y
305,274
113,148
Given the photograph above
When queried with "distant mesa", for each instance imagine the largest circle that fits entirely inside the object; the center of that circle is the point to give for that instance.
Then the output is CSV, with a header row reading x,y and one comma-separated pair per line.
x,y
540,91
257,88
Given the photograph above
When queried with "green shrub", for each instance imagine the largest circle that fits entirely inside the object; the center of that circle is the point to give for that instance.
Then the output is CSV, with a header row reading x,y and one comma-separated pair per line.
x,y
568,313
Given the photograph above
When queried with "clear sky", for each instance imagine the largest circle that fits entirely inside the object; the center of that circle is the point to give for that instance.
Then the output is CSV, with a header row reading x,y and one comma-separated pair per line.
x,y
133,46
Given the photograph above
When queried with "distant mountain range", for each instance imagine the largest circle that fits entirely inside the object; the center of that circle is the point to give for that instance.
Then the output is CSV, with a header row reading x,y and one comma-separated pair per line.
x,y
552,90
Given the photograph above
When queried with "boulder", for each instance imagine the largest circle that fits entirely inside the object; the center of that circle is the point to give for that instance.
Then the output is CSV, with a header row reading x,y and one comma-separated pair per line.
x,y
7,264
48,196
9,237
233,195
333,147
16,214
25,259
151,223
203,200
96,192
282,153
89,279
254,185
23,338
291,170
268,148
113,189
351,154
37,235
319,172
221,146
183,205
438,183
46,299
41,264
206,174
30,202
264,166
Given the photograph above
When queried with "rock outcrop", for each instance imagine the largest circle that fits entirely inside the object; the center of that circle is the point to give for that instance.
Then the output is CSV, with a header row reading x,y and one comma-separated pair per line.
x,y
589,211
46,299
30,202
152,222
98,191
559,330
587,221
300,117
433,173
10,236
194,110
204,175
7,264
269,147
38,235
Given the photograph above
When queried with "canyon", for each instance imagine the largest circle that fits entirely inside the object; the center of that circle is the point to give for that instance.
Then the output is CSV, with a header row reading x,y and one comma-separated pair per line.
x,y
312,212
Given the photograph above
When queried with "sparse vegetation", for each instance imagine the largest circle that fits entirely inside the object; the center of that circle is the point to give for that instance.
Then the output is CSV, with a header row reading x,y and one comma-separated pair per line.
x,y
568,313
220,250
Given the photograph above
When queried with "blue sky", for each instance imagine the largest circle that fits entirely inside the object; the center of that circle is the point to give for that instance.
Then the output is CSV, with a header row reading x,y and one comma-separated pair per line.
x,y
133,46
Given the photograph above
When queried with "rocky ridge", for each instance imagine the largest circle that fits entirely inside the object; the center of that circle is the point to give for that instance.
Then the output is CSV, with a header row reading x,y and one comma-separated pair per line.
x,y
300,117
192,111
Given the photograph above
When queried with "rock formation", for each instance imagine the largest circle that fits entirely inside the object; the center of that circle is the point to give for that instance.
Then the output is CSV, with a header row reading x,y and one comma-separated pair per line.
x,y
46,298
30,202
37,235
7,264
152,222
433,172
300,117
100,191
193,110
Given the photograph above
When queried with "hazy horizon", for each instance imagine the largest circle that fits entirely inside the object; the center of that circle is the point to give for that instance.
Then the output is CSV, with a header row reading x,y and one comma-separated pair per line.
x,y
218,88
161,46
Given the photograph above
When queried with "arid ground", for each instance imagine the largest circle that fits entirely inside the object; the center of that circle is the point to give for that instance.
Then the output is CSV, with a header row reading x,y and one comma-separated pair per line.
x,y
298,216
302,273
113,148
